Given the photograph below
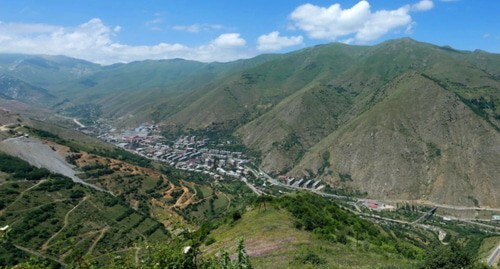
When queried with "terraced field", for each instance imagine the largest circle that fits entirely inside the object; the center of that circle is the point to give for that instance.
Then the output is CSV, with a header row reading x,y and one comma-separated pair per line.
x,y
62,221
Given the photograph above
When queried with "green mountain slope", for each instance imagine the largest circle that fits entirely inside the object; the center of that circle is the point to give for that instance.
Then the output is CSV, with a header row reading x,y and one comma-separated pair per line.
x,y
291,117
252,92
147,90
43,70
306,116
15,89
296,109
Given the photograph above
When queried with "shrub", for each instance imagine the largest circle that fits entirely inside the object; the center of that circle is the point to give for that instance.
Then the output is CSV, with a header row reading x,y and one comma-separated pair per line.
x,y
21,169
76,194
236,215
309,258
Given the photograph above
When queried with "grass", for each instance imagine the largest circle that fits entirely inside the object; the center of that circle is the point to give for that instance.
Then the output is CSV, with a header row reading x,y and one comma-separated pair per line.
x,y
487,246
206,191
272,241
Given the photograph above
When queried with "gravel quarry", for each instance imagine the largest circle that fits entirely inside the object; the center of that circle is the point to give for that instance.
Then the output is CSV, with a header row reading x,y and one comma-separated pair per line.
x,y
41,155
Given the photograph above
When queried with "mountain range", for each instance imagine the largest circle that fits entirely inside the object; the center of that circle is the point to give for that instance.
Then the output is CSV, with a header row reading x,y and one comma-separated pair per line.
x,y
401,120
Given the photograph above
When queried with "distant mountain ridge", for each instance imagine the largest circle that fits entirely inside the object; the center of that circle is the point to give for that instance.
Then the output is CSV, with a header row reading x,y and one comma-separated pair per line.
x,y
45,70
398,120
14,89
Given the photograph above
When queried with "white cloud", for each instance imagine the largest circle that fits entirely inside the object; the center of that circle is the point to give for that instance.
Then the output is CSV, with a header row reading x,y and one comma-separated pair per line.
x,y
273,41
229,40
423,5
156,22
27,28
196,28
357,24
94,41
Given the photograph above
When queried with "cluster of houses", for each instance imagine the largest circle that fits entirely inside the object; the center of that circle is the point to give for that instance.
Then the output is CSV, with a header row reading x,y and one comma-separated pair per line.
x,y
192,154
188,153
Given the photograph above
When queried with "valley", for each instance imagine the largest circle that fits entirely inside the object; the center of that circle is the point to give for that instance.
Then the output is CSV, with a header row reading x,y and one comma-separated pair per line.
x,y
202,156
334,156
334,112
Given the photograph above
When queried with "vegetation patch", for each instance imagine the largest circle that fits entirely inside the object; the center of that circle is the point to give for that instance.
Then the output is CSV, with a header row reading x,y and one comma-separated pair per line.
x,y
345,177
20,169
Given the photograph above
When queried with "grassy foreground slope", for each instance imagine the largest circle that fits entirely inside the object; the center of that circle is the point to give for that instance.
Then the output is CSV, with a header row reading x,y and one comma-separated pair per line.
x,y
303,230
272,241
306,231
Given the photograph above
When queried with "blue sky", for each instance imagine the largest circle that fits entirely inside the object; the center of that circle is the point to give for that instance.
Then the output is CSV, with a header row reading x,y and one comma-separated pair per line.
x,y
224,30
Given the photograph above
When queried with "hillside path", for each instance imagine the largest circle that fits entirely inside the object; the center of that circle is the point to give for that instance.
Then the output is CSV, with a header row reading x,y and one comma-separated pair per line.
x,y
66,221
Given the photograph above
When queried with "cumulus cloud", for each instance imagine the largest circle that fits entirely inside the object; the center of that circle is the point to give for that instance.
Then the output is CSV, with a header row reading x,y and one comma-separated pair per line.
x,y
423,5
196,28
356,24
229,40
94,41
273,41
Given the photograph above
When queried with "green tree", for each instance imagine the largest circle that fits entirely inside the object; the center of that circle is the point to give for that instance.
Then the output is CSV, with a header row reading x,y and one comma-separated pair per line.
x,y
453,256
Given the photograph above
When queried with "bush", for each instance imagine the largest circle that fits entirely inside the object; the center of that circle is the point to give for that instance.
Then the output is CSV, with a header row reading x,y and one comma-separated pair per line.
x,y
76,194
21,169
210,240
236,215
331,222
448,257
57,183
342,238
309,258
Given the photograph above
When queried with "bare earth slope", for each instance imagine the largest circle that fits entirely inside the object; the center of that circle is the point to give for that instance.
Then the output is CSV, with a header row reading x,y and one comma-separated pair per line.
x,y
41,155
420,142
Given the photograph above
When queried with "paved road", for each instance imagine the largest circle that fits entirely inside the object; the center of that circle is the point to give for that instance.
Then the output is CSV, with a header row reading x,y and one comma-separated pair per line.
x,y
252,187
494,257
479,224
426,203
273,181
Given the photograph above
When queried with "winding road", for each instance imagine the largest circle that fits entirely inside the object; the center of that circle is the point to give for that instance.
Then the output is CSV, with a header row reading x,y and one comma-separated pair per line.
x,y
273,181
